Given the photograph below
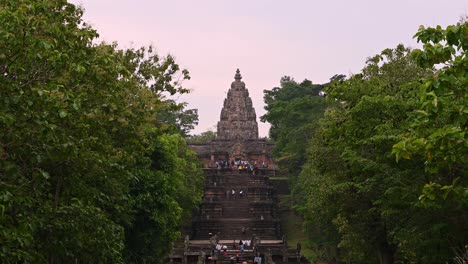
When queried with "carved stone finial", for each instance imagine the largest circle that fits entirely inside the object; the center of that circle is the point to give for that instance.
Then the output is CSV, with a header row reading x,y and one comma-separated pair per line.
x,y
238,76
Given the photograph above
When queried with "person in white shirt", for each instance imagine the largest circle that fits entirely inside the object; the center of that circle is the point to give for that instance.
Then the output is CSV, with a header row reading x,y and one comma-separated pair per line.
x,y
258,260
218,249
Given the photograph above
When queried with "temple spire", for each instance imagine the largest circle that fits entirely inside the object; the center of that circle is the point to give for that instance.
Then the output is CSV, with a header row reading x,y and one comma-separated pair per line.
x,y
238,76
238,118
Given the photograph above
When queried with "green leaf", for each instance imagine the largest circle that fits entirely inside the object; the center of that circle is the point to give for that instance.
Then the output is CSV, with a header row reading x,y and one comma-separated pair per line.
x,y
45,174
63,113
45,44
454,29
76,106
7,119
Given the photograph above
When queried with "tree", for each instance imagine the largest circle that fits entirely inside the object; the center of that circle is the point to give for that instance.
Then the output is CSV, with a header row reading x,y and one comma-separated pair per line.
x,y
163,196
360,203
202,138
80,123
291,110
437,133
177,118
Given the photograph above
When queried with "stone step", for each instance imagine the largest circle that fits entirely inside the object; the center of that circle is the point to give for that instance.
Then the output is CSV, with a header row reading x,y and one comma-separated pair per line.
x,y
221,215
261,172
241,185
226,178
234,201
236,181
205,233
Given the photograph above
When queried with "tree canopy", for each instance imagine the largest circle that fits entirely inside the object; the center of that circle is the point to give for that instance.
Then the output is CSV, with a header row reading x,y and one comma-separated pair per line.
x,y
292,109
202,138
90,170
382,178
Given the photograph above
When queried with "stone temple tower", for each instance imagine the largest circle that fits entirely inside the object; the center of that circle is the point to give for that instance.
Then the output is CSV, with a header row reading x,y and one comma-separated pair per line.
x,y
238,118
237,135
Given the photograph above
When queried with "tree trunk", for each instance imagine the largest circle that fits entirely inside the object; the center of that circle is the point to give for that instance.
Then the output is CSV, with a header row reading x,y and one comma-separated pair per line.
x,y
58,190
386,253
332,255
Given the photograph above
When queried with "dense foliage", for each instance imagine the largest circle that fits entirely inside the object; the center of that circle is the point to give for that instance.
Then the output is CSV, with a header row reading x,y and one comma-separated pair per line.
x,y
92,167
292,110
202,138
384,178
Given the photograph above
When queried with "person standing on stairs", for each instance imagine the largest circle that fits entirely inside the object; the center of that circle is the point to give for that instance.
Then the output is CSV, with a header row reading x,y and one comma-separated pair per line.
x,y
298,251
257,259
241,245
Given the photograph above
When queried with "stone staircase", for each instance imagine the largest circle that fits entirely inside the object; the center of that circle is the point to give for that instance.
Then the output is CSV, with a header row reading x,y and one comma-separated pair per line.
x,y
226,212
234,217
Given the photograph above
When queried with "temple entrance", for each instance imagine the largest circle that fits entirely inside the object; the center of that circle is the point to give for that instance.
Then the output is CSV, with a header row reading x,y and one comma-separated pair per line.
x,y
237,152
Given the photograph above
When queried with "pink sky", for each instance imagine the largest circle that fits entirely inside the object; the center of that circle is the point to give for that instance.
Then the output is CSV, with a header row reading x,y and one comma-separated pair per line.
x,y
265,39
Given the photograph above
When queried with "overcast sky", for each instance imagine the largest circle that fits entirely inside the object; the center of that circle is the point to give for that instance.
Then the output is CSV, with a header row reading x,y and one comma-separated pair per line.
x,y
264,39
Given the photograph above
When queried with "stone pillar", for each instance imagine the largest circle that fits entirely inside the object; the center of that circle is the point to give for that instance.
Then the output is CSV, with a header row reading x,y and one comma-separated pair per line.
x,y
285,252
201,258
264,156
269,257
186,249
212,159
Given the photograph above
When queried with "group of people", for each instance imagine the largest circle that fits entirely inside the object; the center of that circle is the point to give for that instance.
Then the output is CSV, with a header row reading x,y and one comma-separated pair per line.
x,y
242,166
220,251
